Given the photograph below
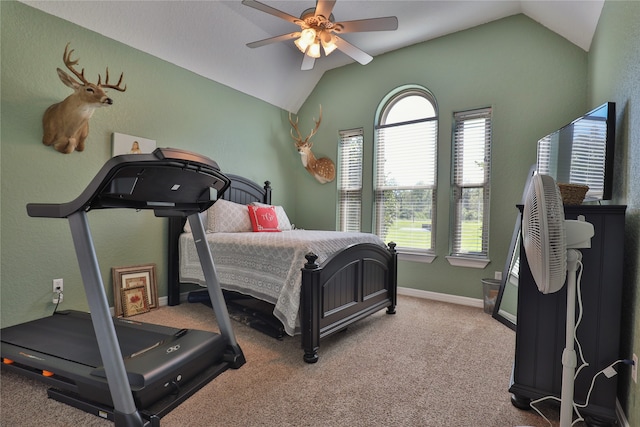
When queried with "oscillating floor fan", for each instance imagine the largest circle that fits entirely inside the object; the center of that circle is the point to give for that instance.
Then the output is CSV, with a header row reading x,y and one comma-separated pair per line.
x,y
550,243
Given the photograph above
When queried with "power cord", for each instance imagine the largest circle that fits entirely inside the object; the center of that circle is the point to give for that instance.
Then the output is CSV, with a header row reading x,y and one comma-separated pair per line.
x,y
58,299
580,313
609,371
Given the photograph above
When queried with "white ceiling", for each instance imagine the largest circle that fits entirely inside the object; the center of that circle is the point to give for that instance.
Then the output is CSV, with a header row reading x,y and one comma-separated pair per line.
x,y
209,37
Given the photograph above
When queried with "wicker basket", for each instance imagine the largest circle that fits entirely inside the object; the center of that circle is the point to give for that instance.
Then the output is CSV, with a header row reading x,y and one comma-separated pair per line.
x,y
573,194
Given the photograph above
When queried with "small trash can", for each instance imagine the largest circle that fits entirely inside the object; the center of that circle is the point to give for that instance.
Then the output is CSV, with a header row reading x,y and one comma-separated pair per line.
x,y
490,288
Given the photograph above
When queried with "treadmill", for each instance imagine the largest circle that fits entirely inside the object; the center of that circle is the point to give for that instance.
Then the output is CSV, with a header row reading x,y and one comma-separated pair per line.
x,y
120,369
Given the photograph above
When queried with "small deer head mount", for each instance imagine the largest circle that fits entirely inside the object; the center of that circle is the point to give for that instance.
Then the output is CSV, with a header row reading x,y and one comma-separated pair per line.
x,y
323,170
66,124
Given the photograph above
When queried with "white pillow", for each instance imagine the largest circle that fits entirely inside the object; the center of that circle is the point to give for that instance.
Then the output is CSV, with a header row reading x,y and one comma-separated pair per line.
x,y
283,220
228,217
203,217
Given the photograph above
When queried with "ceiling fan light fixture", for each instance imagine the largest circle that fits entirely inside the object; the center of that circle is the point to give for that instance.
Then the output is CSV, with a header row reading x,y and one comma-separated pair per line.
x,y
314,50
319,27
307,38
328,43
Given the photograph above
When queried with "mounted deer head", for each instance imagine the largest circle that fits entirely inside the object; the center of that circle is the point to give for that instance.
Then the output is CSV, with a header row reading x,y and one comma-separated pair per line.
x,y
66,124
322,169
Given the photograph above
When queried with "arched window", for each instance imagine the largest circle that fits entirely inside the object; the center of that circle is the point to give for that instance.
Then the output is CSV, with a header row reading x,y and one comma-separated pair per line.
x,y
405,169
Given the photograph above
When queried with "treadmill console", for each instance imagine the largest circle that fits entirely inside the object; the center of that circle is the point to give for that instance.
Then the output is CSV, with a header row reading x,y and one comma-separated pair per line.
x,y
172,182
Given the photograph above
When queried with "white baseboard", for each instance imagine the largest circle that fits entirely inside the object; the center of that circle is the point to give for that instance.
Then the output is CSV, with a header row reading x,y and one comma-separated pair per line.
x,y
437,296
163,301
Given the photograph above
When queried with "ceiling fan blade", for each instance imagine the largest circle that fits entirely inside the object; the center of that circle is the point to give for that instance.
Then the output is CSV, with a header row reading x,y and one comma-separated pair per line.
x,y
325,7
389,23
282,38
307,63
272,11
354,52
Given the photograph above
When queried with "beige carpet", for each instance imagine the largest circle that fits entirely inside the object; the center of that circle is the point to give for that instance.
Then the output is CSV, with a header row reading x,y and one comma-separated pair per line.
x,y
431,364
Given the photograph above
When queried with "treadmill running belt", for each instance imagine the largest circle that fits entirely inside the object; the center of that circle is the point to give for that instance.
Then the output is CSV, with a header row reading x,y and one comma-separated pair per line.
x,y
71,338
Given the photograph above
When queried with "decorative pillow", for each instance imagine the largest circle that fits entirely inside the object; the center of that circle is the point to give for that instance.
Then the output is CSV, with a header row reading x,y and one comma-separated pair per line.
x,y
228,217
283,220
263,218
203,217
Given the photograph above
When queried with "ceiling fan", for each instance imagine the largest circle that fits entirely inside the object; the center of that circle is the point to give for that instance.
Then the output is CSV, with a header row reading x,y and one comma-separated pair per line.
x,y
318,28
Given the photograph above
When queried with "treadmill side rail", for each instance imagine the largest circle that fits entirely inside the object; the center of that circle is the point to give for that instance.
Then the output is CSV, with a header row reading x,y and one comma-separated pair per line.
x,y
234,355
101,318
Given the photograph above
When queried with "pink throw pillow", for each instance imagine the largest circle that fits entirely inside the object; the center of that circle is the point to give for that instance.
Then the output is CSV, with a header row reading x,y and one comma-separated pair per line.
x,y
263,218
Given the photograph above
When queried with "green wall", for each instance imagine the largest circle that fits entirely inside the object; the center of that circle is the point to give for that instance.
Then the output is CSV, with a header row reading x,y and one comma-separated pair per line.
x,y
614,75
535,81
163,102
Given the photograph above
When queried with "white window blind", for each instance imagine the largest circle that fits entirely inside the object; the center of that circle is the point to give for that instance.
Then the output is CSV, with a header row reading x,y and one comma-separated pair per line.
x,y
405,172
349,179
471,183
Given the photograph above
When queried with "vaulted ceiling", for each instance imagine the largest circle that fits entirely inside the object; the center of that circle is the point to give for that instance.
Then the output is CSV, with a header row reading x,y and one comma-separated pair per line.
x,y
210,37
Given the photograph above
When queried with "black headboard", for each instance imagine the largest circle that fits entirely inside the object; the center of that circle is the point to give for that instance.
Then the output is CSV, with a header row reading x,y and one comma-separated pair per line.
x,y
245,191
241,190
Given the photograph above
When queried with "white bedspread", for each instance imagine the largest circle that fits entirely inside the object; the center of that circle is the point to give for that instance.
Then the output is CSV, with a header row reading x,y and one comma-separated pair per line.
x,y
266,265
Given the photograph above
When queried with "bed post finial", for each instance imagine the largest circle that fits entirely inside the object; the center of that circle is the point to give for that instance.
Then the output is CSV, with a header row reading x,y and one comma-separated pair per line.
x,y
267,193
311,261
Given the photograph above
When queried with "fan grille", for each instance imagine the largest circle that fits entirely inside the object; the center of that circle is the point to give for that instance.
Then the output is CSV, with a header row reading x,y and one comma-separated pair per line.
x,y
544,234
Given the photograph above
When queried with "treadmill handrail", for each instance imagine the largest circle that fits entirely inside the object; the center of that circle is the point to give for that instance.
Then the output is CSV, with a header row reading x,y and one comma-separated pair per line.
x,y
102,191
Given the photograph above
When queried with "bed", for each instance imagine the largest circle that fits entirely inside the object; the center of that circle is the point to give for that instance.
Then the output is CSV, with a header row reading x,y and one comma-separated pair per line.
x,y
337,280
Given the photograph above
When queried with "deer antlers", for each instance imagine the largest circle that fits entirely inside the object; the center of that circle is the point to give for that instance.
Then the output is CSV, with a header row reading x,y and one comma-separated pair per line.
x,y
70,64
299,140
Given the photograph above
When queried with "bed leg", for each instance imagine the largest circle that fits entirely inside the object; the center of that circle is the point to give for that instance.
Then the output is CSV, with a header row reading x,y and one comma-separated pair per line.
x,y
311,356
310,299
393,278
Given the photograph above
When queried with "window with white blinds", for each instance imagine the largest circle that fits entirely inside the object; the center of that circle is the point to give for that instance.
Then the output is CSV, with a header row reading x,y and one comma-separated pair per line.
x,y
471,174
405,168
349,179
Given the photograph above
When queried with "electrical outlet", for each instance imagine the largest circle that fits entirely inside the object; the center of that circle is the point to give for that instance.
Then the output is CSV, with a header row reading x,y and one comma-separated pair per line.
x,y
634,368
58,287
497,275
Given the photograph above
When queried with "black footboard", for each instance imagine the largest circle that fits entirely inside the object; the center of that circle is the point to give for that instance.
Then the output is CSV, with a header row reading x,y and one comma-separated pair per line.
x,y
353,284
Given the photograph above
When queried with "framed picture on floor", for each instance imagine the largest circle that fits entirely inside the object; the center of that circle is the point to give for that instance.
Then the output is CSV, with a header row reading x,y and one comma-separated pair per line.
x,y
134,300
129,277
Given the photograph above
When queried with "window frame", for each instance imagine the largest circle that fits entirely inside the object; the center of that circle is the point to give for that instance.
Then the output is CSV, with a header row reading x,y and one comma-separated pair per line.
x,y
383,110
345,219
457,254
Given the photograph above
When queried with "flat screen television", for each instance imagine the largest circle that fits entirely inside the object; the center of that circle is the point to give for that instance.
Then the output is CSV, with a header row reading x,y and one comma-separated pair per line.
x,y
582,152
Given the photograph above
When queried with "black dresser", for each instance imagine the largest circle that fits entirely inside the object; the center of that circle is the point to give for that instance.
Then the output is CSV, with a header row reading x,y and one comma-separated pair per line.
x,y
540,330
